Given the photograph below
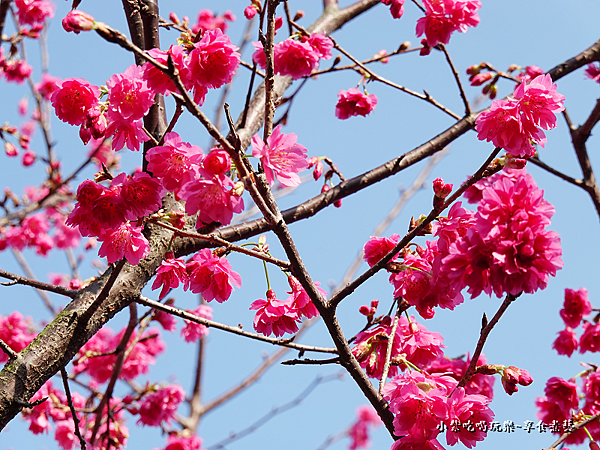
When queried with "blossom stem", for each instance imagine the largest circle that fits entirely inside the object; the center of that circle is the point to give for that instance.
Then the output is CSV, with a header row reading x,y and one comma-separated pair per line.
x,y
267,276
388,351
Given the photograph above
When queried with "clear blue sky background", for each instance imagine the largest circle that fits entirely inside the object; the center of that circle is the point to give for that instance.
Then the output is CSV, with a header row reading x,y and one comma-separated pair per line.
x,y
535,32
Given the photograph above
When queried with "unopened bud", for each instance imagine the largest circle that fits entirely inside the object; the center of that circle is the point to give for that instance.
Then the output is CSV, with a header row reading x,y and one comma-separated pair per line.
x,y
473,70
299,15
10,149
513,67
405,45
318,170
173,18
480,78
77,21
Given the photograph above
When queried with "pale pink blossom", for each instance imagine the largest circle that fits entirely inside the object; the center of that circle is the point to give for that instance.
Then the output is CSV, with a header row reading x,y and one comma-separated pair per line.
x,y
173,161
124,242
281,157
354,103
73,98
193,331
169,275
160,406
212,276
274,316
207,21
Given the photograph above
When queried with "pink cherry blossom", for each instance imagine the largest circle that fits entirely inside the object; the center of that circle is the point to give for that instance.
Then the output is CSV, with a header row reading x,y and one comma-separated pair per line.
x,y
141,194
207,21
16,332
281,157
396,7
73,98
160,406
321,44
17,70
259,56
376,248
126,242
217,162
166,320
354,103
183,443
212,276
250,12
420,345
33,12
539,102
127,134
77,21
274,316
300,301
129,96
193,331
359,431
467,409
566,342
215,199
590,339
157,80
444,17
213,60
563,393
575,307
173,161
169,275
593,72
294,58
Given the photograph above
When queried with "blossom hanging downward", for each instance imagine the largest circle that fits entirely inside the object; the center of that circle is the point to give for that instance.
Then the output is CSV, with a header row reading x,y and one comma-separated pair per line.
x,y
281,157
354,103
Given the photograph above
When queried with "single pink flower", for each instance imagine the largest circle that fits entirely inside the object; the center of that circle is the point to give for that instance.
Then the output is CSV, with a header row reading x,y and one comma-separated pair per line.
x,y
575,307
77,21
33,12
259,56
166,320
213,60
250,12
212,276
396,7
321,44
125,242
354,103
563,393
281,157
173,161
593,72
274,316
566,342
294,58
193,331
141,194
539,102
127,134
376,248
590,339
465,410
17,70
73,98
217,162
183,443
158,81
160,406
170,274
300,301
129,96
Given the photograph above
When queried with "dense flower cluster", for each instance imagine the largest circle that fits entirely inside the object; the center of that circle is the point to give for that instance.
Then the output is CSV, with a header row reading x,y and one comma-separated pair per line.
x,y
514,124
576,306
366,417
444,17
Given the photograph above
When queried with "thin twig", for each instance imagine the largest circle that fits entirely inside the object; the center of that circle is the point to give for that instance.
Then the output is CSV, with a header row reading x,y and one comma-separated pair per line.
x,y
9,351
235,330
23,263
65,379
457,78
17,279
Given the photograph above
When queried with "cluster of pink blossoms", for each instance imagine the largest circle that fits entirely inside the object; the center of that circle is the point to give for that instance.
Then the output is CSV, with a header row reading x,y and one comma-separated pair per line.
x,y
96,357
209,64
557,408
16,332
504,247
576,306
160,406
278,317
34,12
514,124
444,17
366,417
296,58
55,409
422,402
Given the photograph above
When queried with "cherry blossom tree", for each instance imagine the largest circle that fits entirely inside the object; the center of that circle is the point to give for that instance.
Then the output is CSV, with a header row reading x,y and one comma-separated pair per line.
x,y
170,242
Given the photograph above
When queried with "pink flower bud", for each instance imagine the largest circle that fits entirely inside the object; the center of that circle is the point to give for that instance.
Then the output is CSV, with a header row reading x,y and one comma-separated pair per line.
x,y
85,134
383,60
10,149
173,18
278,23
364,310
24,141
318,171
176,218
217,162
28,158
440,189
250,12
473,70
426,50
480,78
374,304
493,91
77,21
299,15
594,445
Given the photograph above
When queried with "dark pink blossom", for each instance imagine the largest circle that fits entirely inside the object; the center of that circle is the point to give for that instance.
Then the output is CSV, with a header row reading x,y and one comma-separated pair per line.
x,y
124,242
300,301
575,307
173,161
77,21
212,276
359,431
467,409
129,96
354,103
16,332
281,157
294,58
141,194
16,70
183,443
444,17
217,162
213,60
563,394
169,275
376,248
539,102
126,134
590,339
512,376
160,406
396,7
593,72
274,316
193,331
166,320
73,98
566,342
